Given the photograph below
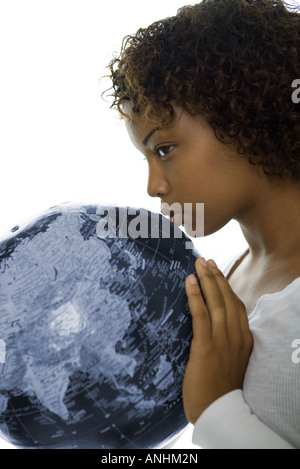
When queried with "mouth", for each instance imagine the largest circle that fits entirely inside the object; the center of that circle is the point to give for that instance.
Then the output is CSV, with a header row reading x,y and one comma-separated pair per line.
x,y
174,217
192,221
173,212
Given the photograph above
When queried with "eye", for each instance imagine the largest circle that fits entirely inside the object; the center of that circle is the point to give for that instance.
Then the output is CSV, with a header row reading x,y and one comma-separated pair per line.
x,y
164,150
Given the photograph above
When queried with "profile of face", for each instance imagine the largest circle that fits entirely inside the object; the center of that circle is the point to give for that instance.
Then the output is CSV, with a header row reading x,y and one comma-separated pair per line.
x,y
189,165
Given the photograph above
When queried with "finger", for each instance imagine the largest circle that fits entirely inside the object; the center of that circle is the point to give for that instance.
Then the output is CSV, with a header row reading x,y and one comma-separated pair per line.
x,y
199,285
198,309
236,315
214,297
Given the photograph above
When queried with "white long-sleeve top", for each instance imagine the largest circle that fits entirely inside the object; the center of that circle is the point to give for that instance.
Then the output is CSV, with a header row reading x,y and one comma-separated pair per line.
x,y
266,413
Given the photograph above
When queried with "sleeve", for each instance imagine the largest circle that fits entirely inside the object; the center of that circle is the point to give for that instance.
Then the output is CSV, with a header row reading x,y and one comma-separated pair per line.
x,y
229,424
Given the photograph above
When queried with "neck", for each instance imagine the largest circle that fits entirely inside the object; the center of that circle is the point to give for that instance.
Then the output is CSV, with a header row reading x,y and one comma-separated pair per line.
x,y
272,225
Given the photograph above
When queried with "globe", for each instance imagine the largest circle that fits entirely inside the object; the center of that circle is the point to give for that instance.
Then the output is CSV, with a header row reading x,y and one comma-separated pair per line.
x,y
95,329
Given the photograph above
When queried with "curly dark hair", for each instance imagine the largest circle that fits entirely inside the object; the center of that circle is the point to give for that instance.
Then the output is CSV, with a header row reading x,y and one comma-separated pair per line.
x,y
231,61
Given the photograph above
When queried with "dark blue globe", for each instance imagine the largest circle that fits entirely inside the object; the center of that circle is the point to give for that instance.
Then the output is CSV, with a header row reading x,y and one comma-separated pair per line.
x,y
95,329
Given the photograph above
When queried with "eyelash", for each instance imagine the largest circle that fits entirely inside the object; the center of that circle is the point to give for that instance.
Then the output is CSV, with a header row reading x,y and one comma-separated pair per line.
x,y
157,150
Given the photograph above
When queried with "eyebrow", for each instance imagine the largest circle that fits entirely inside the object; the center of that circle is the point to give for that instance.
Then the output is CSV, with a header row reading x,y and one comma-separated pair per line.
x,y
146,139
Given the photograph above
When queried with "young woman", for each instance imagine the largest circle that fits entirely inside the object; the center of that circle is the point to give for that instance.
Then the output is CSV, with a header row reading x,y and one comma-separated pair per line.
x,y
207,96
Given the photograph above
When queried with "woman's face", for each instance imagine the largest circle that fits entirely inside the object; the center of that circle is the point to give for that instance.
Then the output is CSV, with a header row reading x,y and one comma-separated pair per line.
x,y
187,164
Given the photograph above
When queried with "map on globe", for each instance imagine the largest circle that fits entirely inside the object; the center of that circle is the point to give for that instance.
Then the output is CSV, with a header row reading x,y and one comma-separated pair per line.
x,y
95,333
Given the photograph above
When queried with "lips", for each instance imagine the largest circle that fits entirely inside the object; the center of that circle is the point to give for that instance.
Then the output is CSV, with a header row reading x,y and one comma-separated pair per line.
x,y
174,216
177,219
165,210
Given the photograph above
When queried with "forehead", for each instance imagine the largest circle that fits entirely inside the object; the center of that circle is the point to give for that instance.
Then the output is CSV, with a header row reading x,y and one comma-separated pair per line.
x,y
183,123
140,130
138,124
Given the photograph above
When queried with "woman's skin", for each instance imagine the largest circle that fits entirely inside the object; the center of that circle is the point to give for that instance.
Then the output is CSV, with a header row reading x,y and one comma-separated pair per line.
x,y
187,164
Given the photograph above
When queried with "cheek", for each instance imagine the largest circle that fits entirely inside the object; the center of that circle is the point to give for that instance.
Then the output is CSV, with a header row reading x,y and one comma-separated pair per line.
x,y
196,181
222,203
206,176
217,192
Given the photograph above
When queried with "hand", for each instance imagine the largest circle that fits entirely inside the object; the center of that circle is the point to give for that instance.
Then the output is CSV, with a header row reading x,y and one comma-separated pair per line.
x,y
221,344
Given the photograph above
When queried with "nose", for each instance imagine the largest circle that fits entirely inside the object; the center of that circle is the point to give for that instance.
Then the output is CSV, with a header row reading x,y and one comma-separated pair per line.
x,y
157,184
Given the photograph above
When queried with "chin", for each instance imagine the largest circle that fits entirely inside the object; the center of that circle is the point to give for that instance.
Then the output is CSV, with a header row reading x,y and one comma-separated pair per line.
x,y
200,232
192,232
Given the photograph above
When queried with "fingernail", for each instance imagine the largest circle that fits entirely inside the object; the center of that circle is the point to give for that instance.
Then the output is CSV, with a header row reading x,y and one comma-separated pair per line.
x,y
203,261
212,263
193,280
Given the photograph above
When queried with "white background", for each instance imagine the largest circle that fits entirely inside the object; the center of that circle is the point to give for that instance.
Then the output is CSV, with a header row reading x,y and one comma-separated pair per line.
x,y
59,140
